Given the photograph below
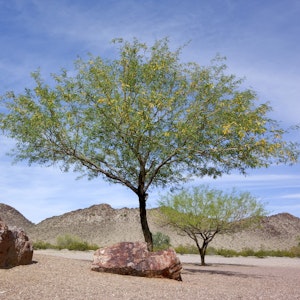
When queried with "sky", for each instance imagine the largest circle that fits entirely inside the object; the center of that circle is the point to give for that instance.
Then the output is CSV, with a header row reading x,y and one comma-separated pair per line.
x,y
261,40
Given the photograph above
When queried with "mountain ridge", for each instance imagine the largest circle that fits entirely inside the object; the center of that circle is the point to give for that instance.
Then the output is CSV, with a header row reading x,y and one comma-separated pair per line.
x,y
103,225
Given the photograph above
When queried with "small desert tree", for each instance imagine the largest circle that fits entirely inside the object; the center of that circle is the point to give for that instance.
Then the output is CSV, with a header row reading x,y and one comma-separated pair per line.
x,y
204,212
143,120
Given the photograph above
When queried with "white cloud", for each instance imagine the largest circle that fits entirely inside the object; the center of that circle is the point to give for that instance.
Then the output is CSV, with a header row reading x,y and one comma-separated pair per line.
x,y
40,192
291,196
43,192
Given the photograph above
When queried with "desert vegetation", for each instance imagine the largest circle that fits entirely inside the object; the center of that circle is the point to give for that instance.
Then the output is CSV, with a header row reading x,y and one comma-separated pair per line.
x,y
144,119
203,213
66,241
162,241
191,249
102,225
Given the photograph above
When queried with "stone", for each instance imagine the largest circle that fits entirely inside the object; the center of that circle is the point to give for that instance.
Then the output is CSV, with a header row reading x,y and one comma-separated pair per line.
x,y
15,247
133,258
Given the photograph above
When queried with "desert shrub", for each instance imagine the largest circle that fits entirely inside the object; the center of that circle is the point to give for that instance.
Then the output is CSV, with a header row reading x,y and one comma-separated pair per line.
x,y
295,251
211,251
277,253
187,249
72,242
247,252
227,252
286,253
160,241
93,246
260,253
190,249
43,245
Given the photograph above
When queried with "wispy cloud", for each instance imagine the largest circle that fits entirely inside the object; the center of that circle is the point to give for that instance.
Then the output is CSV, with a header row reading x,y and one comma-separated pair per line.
x,y
291,196
43,192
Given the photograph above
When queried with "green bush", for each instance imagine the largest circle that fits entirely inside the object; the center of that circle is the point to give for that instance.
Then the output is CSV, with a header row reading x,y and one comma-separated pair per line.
x,y
187,249
43,245
295,251
211,251
160,241
227,252
247,252
260,253
190,249
71,242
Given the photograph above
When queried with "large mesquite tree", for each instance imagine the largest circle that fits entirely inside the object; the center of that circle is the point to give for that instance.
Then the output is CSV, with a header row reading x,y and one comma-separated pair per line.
x,y
143,119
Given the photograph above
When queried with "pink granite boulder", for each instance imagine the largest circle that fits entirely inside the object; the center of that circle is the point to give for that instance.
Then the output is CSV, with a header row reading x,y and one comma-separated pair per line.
x,y
133,258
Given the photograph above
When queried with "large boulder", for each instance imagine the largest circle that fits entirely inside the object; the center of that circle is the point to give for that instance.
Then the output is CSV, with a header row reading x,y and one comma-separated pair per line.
x,y
133,258
15,247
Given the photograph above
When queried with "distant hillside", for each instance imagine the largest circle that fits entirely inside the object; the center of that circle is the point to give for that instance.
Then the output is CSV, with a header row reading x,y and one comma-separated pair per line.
x,y
14,218
103,225
281,231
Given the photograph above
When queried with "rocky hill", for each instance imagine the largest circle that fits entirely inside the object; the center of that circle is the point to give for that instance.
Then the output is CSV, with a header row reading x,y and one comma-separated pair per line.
x,y
277,232
103,225
12,217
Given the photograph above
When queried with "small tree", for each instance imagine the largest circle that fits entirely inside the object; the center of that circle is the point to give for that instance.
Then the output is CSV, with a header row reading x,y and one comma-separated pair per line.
x,y
204,212
143,120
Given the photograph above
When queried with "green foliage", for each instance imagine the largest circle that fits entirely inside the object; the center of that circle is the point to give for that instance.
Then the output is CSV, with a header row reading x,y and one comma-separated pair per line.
x,y
293,252
250,252
226,252
43,245
66,241
71,242
186,249
147,99
190,249
209,210
143,119
161,241
203,212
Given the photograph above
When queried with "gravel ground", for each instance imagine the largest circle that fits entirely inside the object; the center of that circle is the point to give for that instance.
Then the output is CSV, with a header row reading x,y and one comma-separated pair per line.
x,y
67,275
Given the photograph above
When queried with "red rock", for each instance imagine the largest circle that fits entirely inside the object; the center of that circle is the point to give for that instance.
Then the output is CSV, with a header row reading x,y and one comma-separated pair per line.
x,y
128,258
15,247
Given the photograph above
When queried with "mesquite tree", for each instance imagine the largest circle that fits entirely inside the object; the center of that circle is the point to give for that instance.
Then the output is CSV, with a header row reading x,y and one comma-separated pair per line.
x,y
203,212
143,120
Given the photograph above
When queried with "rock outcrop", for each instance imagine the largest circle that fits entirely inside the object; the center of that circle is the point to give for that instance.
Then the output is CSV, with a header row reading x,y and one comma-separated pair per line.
x,y
15,247
128,258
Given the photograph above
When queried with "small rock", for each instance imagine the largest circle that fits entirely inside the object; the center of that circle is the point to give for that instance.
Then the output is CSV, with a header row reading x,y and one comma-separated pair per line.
x,y
133,258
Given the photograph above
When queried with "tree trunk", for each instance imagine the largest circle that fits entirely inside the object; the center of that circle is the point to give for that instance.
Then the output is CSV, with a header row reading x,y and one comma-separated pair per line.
x,y
202,255
202,250
144,222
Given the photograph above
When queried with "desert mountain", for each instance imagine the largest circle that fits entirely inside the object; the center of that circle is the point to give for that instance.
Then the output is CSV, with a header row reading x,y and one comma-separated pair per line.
x,y
12,217
99,224
103,225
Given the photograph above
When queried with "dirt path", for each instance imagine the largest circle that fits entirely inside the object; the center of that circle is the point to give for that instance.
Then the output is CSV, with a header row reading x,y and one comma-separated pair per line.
x,y
67,275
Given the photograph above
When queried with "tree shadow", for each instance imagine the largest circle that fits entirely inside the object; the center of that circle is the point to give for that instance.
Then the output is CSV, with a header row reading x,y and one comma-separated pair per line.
x,y
196,269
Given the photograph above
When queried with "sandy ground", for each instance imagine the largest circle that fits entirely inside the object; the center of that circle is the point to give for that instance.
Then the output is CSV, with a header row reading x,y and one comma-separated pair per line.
x,y
66,275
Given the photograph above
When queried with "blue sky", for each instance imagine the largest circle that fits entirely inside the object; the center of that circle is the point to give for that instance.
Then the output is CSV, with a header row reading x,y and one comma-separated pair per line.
x,y
261,40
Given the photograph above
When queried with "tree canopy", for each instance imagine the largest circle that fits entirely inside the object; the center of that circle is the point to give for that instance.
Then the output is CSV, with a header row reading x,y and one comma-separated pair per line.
x,y
143,119
203,212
